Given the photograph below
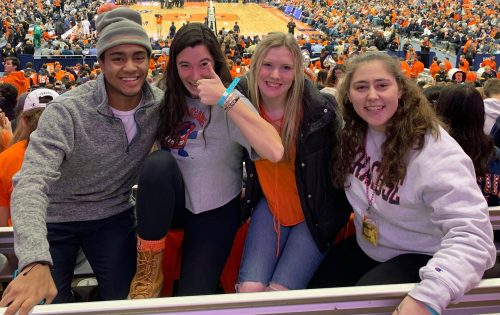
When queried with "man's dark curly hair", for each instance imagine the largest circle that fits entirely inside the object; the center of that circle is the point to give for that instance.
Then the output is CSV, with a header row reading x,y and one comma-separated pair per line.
x,y
8,97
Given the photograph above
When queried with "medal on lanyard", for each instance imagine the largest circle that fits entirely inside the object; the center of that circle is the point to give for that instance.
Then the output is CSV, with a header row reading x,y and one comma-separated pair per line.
x,y
370,229
369,226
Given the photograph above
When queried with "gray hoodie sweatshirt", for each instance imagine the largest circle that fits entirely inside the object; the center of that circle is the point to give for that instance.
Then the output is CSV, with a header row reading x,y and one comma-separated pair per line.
x,y
79,165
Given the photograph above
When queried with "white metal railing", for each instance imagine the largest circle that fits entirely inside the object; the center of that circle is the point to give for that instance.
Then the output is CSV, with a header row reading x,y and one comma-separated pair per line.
x,y
381,299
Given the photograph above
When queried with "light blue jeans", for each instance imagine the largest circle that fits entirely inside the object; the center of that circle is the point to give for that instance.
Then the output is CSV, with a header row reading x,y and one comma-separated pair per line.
x,y
298,259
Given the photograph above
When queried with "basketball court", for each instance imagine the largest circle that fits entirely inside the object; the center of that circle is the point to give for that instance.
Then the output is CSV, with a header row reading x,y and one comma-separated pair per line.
x,y
253,19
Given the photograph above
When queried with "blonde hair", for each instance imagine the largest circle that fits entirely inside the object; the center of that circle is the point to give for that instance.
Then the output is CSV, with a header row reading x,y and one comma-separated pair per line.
x,y
292,115
28,122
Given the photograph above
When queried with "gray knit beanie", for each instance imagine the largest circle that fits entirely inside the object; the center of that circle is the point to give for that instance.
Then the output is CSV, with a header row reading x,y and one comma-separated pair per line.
x,y
121,26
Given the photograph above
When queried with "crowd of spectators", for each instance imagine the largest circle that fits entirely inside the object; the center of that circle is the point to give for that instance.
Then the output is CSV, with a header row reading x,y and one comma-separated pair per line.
x,y
455,23
467,27
348,28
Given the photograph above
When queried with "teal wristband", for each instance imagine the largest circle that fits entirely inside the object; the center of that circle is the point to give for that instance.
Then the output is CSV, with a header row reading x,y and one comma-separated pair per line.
x,y
431,310
230,88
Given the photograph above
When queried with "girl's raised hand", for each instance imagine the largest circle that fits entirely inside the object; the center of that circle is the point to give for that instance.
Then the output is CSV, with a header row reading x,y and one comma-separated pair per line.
x,y
210,89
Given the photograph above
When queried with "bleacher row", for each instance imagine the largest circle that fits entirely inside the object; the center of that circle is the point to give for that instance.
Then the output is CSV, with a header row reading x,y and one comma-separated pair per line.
x,y
64,61
484,299
70,61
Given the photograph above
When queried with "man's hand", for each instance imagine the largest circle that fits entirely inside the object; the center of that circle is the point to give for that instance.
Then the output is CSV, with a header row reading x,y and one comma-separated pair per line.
x,y
32,285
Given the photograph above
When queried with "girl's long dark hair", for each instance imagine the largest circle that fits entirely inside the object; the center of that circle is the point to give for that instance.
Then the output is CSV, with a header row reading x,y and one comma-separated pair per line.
x,y
462,108
174,106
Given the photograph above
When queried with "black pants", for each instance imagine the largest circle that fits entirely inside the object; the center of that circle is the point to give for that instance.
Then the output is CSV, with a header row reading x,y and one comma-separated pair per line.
x,y
347,265
208,236
108,244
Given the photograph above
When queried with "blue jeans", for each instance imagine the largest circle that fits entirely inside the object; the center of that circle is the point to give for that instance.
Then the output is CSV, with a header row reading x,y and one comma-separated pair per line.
x,y
298,259
110,247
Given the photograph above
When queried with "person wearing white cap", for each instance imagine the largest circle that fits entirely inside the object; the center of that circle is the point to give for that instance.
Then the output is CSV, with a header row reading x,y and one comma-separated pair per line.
x,y
12,158
74,186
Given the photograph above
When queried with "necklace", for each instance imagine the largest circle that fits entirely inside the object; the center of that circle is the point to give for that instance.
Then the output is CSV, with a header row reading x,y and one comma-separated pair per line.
x,y
276,122
368,182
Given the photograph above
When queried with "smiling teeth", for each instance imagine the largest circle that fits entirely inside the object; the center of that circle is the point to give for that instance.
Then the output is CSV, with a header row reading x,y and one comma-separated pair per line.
x,y
273,84
374,108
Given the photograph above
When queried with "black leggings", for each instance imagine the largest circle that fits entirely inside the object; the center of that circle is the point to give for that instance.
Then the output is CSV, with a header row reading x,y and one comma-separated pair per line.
x,y
208,236
347,265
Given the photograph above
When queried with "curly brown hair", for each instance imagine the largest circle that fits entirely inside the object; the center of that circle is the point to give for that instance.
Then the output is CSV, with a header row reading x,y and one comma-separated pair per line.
x,y
405,131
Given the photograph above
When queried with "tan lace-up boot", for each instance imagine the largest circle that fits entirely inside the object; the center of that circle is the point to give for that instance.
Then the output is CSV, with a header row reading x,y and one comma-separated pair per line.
x,y
148,279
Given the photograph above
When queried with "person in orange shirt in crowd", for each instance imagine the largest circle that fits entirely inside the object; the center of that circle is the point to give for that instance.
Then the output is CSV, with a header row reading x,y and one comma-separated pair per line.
x,y
489,61
466,63
405,67
57,5
59,73
434,68
447,64
461,66
238,69
417,67
471,75
6,26
163,60
31,74
152,63
47,36
159,20
246,60
12,158
96,69
468,43
14,76
5,132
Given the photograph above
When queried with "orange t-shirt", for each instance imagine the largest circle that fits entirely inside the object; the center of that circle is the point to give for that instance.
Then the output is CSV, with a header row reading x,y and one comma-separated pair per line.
x,y
447,65
6,136
18,80
488,62
464,69
280,189
434,69
405,67
11,161
152,64
417,68
471,77
163,61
